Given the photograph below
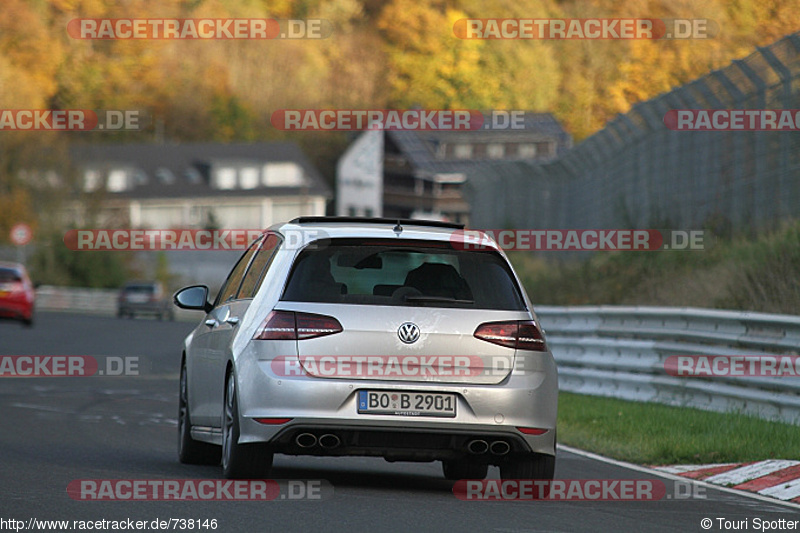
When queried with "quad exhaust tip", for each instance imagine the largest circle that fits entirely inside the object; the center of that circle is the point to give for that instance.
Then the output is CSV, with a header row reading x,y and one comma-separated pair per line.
x,y
500,447
306,440
309,440
478,446
329,441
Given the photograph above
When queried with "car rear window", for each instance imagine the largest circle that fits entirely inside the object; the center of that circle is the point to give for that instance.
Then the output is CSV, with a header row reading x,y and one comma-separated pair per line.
x,y
9,274
409,273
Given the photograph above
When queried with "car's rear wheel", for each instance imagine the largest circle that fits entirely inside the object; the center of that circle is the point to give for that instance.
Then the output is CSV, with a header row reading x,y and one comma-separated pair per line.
x,y
464,469
529,466
191,451
240,461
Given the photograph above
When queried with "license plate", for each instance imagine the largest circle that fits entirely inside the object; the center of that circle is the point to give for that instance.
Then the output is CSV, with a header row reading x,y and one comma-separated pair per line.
x,y
406,403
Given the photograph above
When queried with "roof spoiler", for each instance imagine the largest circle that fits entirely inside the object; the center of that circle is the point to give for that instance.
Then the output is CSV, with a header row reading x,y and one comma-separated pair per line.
x,y
377,220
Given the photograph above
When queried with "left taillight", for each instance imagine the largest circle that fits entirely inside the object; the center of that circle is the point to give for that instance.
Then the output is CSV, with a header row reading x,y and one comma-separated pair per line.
x,y
289,325
310,326
517,334
272,421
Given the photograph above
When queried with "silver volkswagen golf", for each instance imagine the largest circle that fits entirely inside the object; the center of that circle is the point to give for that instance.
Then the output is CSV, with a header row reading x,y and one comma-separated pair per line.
x,y
339,336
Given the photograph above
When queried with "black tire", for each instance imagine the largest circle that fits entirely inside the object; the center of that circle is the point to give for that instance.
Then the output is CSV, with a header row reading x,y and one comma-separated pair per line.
x,y
464,469
191,451
240,461
28,322
529,466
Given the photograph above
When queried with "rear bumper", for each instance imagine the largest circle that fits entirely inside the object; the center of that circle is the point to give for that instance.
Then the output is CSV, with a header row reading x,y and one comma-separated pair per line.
x,y
416,443
329,406
16,309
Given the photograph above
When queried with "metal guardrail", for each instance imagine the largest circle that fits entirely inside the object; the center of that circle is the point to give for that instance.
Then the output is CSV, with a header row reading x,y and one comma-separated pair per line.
x,y
90,301
618,351
96,301
621,352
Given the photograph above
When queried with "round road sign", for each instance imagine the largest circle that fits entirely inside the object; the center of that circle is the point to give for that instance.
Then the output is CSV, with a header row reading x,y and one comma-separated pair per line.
x,y
21,234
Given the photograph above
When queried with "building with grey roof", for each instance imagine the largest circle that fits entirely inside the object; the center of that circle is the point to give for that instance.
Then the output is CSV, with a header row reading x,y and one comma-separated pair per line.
x,y
422,173
195,185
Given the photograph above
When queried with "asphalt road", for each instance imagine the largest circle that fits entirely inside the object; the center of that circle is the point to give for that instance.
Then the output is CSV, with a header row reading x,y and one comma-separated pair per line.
x,y
57,430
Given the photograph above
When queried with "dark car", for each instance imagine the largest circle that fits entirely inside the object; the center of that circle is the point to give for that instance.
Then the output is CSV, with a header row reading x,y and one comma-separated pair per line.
x,y
144,298
16,293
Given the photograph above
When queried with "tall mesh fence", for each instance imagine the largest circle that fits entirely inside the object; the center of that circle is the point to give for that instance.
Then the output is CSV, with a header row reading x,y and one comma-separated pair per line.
x,y
638,173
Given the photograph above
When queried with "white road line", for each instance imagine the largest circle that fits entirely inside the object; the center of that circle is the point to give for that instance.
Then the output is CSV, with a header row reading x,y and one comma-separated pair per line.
x,y
746,473
45,408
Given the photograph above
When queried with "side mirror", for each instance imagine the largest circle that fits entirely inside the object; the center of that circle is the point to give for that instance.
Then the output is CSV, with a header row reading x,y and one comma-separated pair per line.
x,y
194,297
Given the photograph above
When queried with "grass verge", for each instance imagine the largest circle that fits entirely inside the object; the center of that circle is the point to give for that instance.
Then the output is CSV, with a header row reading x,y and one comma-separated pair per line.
x,y
654,434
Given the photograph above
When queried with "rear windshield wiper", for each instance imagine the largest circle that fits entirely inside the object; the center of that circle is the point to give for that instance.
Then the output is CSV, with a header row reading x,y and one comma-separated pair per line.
x,y
438,299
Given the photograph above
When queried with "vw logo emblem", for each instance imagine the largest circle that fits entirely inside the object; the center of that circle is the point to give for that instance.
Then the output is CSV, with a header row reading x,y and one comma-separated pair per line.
x,y
408,333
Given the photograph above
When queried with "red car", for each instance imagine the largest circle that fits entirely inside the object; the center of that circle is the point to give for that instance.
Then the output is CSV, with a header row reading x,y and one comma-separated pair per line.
x,y
16,293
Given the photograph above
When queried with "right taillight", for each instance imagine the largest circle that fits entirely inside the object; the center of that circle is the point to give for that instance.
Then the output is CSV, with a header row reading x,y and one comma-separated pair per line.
x,y
288,325
278,326
517,334
532,431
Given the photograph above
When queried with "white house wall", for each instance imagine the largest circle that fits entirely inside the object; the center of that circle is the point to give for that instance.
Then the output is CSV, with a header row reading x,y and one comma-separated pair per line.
x,y
359,177
229,213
